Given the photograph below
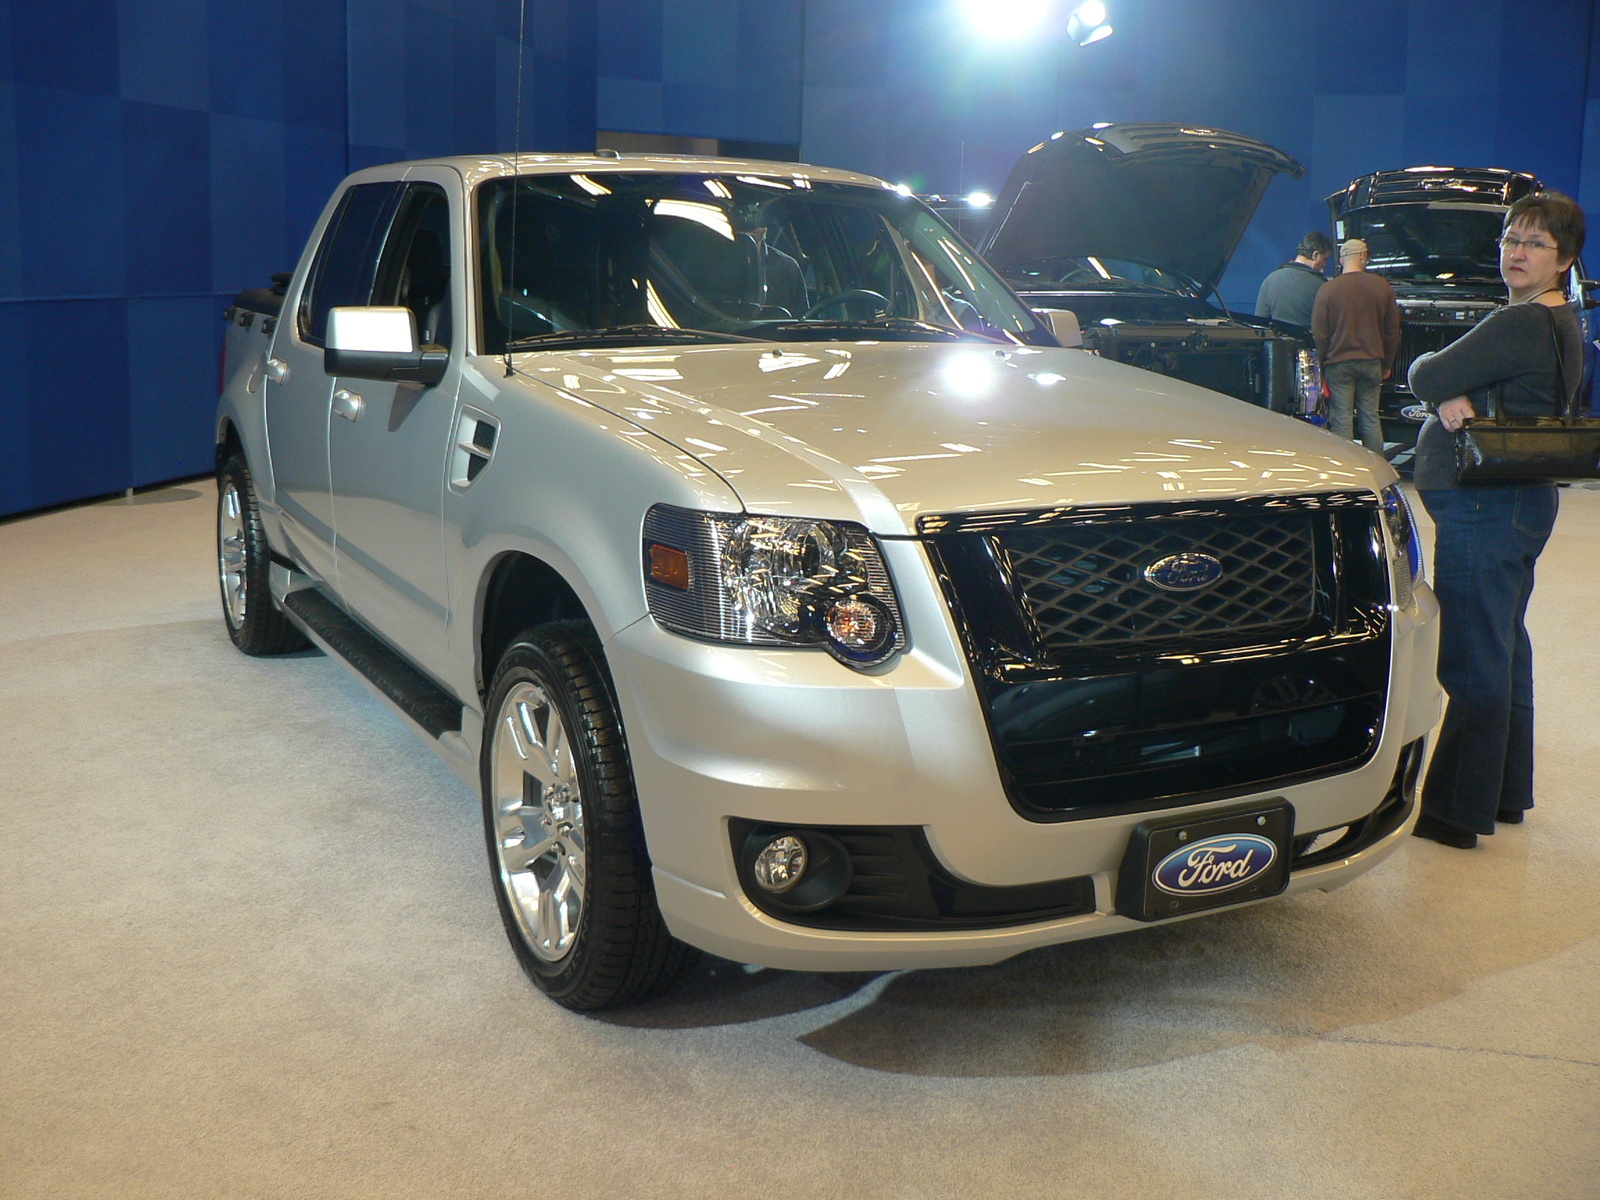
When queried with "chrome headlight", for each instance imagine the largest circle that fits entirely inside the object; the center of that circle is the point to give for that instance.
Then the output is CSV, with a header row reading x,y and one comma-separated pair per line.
x,y
1405,553
771,581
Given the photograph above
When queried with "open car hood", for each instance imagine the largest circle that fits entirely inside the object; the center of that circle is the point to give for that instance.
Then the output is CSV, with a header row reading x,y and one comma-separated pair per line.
x,y
1177,197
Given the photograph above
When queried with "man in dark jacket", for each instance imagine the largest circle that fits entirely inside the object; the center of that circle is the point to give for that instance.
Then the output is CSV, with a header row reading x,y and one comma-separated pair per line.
x,y
1287,294
1356,323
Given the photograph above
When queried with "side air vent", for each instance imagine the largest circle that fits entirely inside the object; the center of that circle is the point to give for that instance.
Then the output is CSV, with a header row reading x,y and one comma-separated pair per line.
x,y
475,439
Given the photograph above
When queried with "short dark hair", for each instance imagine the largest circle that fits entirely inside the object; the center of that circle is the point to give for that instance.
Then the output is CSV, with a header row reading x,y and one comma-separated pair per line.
x,y
1313,244
1557,215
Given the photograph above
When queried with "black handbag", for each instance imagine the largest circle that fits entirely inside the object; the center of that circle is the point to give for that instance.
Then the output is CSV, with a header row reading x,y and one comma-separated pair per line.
x,y
1500,448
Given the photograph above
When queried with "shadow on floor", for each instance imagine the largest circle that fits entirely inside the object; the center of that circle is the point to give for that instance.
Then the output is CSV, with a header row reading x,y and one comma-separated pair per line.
x,y
1275,975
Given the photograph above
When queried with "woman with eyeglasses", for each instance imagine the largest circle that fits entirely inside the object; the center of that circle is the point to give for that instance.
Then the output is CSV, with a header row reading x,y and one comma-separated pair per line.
x,y
1488,536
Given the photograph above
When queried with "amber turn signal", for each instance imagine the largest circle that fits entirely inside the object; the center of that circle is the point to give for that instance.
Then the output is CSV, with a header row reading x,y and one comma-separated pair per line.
x,y
669,566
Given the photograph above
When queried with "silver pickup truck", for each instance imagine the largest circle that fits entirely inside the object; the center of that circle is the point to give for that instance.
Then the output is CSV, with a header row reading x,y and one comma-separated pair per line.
x,y
789,592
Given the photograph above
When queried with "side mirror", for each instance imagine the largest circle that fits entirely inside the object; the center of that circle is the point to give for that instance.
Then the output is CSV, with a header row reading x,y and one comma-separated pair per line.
x,y
380,343
1064,324
1587,296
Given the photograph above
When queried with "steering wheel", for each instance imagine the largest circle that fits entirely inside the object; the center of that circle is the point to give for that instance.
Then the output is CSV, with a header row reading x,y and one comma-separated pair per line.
x,y
845,297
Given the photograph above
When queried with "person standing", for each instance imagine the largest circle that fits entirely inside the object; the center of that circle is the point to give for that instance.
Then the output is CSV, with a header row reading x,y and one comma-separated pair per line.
x,y
1356,323
1488,536
1287,294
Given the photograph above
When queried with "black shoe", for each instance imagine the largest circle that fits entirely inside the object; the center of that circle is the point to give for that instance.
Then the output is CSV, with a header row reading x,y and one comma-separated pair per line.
x,y
1510,816
1436,830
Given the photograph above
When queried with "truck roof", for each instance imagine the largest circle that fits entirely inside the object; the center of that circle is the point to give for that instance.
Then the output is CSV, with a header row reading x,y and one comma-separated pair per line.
x,y
477,167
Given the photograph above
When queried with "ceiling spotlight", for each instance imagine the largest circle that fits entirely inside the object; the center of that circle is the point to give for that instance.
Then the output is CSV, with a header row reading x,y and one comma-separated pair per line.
x,y
1007,18
1087,23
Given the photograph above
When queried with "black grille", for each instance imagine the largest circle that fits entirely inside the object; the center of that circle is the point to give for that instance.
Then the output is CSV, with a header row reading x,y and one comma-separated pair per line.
x,y
1086,586
1418,339
1105,693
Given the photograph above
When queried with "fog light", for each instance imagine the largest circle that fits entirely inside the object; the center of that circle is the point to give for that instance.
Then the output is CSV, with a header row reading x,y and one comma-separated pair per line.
x,y
780,864
793,870
860,629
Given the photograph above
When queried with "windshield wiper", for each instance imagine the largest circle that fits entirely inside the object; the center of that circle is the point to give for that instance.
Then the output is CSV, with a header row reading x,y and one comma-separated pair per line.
x,y
622,335
822,330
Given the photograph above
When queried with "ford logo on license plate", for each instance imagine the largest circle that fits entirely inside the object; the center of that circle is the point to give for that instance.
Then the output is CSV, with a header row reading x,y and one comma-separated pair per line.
x,y
1214,864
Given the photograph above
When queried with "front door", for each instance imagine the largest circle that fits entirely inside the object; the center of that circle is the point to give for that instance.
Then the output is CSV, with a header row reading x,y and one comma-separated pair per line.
x,y
298,391
389,444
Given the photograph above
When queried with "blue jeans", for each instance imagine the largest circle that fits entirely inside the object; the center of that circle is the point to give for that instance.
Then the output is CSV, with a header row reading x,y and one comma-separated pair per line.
x,y
1486,542
1353,389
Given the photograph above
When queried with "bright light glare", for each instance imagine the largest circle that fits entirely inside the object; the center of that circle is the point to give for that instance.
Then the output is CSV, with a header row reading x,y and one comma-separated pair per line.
x,y
979,199
1087,23
1006,18
903,188
969,376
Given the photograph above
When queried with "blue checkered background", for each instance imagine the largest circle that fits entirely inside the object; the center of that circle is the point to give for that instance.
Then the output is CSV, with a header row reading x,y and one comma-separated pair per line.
x,y
156,156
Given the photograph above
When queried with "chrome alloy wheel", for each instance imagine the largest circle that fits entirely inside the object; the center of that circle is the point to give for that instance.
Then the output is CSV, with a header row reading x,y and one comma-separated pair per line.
x,y
231,561
538,814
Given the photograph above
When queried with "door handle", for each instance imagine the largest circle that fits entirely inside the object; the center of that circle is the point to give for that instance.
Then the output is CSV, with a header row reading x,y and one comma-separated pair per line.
x,y
277,370
348,405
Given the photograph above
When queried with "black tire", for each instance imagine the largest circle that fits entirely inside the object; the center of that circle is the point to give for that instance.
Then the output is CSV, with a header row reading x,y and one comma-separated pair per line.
x,y
255,623
610,947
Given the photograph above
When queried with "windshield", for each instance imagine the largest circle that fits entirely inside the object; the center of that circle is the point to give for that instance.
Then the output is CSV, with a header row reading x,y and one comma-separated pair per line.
x,y
1096,273
1429,242
612,258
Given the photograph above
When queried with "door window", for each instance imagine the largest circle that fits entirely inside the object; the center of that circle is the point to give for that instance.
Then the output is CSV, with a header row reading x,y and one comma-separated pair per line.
x,y
415,271
347,260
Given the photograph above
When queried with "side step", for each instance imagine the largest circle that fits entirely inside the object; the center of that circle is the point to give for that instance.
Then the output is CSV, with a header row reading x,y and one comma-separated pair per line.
x,y
407,688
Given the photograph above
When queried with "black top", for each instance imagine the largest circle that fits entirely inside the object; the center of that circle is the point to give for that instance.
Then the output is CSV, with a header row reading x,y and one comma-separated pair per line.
x,y
1511,346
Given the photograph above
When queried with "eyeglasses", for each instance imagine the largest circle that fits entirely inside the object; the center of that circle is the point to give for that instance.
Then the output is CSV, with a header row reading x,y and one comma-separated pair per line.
x,y
1510,243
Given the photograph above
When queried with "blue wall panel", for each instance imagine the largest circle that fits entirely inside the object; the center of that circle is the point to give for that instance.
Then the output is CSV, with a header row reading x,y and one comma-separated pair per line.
x,y
162,52
157,156
71,175
75,354
167,216
248,168
726,69
16,446
10,195
173,344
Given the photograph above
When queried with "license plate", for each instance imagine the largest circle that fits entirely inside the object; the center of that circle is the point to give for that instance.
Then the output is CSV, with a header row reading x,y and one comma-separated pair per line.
x,y
1187,864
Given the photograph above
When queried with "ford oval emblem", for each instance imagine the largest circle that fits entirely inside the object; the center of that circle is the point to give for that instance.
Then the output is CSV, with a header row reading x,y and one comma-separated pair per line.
x,y
1415,412
1214,864
1186,572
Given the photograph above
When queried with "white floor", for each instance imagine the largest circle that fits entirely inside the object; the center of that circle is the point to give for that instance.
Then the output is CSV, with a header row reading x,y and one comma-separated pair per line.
x,y
247,948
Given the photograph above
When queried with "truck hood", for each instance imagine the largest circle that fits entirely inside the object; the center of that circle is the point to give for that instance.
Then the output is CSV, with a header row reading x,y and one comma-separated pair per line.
x,y
1176,197
883,433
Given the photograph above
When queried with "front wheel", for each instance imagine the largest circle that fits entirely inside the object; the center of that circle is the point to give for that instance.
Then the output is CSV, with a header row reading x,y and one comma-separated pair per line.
x,y
561,817
255,624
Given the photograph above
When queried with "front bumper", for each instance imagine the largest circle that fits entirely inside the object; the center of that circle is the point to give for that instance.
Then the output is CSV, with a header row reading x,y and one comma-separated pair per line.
x,y
720,734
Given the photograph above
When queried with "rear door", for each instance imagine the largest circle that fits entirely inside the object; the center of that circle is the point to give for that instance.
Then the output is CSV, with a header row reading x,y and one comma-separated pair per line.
x,y
298,390
389,442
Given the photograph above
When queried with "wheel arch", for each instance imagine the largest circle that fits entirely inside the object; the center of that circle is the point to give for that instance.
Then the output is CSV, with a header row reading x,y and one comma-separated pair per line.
x,y
229,442
518,590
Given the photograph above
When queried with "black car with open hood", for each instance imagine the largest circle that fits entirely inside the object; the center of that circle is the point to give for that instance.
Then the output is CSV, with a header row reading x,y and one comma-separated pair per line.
x,y
1130,227
1433,233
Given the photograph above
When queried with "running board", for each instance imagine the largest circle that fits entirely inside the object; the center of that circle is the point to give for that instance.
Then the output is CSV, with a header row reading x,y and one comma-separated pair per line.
x,y
416,696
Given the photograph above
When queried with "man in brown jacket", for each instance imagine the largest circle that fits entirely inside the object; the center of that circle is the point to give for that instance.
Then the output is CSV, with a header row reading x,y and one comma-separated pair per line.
x,y
1356,323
